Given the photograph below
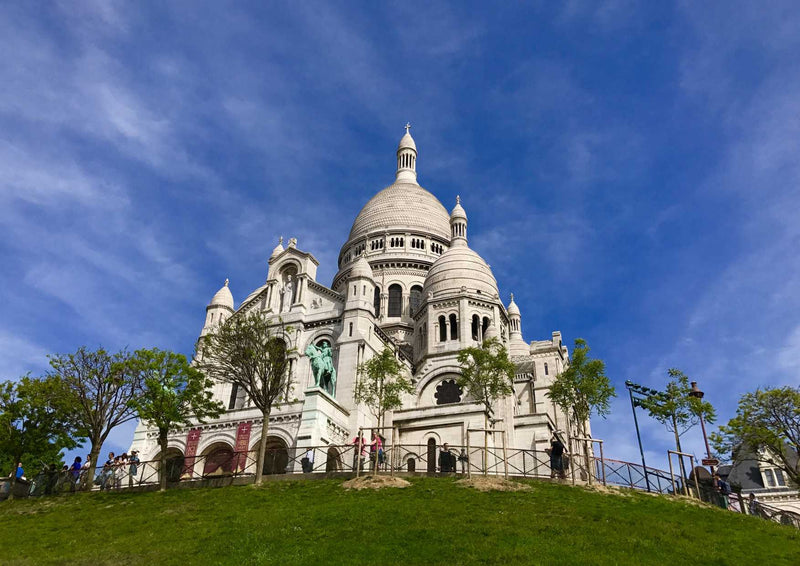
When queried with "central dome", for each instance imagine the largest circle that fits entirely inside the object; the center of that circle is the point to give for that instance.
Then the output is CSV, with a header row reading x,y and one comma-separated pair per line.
x,y
405,206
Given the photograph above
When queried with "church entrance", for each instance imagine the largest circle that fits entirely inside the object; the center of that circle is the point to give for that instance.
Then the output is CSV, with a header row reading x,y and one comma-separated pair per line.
x,y
276,458
334,461
218,460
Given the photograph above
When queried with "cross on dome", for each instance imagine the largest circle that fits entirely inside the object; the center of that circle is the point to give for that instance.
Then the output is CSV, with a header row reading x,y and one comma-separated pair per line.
x,y
226,281
408,127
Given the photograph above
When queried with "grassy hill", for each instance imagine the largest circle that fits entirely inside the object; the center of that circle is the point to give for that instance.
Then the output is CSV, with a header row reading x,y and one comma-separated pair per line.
x,y
434,521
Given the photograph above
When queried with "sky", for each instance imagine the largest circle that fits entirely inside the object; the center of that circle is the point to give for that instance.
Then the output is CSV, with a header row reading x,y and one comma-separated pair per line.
x,y
630,170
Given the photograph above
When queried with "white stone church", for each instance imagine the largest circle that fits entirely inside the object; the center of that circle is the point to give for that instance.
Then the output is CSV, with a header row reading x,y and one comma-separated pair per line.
x,y
408,280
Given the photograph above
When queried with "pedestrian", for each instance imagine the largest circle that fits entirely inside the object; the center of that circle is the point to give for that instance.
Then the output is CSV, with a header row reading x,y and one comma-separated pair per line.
x,y
75,473
106,477
133,469
19,472
556,451
446,460
752,504
359,452
307,461
375,450
723,490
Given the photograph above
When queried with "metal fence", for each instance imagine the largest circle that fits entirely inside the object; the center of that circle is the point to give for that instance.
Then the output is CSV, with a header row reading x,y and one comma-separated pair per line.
x,y
403,458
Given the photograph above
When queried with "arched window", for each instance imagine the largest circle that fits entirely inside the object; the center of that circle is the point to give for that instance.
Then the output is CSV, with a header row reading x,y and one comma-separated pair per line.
x,y
395,300
545,369
485,326
416,298
453,327
442,329
376,301
475,323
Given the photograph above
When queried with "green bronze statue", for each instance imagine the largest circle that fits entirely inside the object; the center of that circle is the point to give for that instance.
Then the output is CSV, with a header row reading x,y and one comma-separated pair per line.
x,y
322,366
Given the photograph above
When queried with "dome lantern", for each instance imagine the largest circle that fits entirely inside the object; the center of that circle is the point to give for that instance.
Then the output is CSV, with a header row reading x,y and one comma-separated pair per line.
x,y
407,158
458,225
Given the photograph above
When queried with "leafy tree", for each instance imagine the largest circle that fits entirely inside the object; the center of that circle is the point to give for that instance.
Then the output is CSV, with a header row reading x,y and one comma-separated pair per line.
x,y
34,428
768,421
97,389
381,384
676,409
174,393
248,352
486,375
582,389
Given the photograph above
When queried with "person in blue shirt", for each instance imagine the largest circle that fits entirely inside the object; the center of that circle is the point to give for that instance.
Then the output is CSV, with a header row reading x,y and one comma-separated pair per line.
x,y
20,472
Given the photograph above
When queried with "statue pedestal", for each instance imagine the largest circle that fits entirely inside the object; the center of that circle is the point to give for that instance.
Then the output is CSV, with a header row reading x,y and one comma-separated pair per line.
x,y
323,423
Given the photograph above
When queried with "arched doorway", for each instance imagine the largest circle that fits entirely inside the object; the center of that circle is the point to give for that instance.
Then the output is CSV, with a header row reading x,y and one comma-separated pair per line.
x,y
432,455
175,462
333,463
276,457
218,460
411,465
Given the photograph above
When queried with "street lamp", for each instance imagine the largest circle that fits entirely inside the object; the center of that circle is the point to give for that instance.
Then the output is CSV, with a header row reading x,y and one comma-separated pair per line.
x,y
641,390
695,392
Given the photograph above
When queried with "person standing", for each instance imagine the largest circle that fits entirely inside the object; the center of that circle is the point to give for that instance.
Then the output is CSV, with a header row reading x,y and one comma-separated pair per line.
x,y
359,452
133,469
723,489
107,475
75,473
446,460
464,459
557,458
752,504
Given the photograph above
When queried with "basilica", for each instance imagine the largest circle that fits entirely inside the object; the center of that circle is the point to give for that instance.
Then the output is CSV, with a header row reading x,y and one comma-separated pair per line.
x,y
407,280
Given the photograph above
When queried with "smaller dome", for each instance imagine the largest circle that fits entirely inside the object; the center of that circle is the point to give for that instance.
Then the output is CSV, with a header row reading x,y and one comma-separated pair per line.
x,y
460,269
278,249
458,210
361,268
513,309
490,333
223,297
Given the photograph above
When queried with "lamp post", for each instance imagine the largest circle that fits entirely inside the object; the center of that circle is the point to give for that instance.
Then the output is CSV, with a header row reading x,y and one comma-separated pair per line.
x,y
631,386
695,392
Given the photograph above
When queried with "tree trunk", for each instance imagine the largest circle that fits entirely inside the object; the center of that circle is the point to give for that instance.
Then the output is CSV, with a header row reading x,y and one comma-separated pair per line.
x,y
13,481
162,472
485,443
94,455
680,457
582,432
262,447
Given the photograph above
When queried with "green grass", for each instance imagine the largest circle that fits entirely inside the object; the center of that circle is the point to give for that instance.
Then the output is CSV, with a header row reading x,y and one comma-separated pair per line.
x,y
433,522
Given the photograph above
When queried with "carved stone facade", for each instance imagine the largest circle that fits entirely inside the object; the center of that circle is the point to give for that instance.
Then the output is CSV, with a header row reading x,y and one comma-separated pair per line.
x,y
407,280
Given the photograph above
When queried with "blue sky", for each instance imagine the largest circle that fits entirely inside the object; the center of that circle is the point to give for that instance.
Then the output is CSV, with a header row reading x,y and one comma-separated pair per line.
x,y
630,170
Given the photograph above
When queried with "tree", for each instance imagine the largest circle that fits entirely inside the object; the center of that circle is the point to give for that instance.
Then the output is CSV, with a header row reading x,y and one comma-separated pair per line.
x,y
380,385
33,426
174,393
248,352
676,409
582,389
486,375
97,389
768,421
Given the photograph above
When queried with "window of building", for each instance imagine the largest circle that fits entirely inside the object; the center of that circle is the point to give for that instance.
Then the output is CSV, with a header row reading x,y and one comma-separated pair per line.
x,y
769,478
779,477
395,300
545,369
442,329
448,391
485,326
453,327
376,301
415,298
475,326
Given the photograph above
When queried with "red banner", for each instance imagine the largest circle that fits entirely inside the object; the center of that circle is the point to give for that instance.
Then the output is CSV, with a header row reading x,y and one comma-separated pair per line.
x,y
192,442
242,444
